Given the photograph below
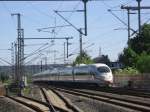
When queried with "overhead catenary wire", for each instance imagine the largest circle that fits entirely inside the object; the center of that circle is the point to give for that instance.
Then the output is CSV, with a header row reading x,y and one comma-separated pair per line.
x,y
9,12
38,51
33,59
117,6
5,61
40,11
2,63
69,17
121,20
38,44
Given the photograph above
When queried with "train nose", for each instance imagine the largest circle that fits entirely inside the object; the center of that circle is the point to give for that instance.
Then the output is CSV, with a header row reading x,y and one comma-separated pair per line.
x,y
107,77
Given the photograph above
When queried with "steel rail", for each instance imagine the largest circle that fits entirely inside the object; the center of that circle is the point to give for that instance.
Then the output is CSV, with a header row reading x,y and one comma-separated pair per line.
x,y
51,107
46,104
125,91
117,97
33,107
111,99
68,103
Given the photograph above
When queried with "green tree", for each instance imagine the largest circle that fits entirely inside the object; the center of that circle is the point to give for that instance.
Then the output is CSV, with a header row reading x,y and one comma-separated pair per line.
x,y
141,43
3,77
84,58
143,63
128,57
136,46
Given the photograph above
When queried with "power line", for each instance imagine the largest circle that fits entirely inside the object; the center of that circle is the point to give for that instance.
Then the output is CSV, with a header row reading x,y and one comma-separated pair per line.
x,y
121,20
5,61
40,11
36,51
9,12
117,6
69,17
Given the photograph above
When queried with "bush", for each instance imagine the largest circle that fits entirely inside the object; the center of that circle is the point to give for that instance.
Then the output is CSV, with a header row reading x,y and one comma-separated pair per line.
x,y
127,71
143,63
3,77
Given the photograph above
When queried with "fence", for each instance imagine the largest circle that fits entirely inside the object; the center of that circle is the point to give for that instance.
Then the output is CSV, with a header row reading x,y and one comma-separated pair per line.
x,y
138,80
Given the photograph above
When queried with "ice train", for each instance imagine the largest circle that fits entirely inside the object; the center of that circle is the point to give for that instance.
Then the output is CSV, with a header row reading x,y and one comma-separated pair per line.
x,y
99,74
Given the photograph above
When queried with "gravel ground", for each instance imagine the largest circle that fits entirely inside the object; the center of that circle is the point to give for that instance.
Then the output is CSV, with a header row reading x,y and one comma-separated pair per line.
x,y
91,105
8,105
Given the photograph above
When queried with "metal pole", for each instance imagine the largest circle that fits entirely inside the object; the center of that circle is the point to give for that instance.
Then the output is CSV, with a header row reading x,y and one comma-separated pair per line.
x,y
85,16
41,66
20,53
80,40
128,24
22,57
12,61
54,56
139,15
64,53
16,66
19,21
67,47
46,63
99,51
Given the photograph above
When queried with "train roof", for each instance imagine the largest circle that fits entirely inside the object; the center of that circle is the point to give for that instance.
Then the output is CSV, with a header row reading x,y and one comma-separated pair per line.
x,y
44,72
68,67
99,64
95,64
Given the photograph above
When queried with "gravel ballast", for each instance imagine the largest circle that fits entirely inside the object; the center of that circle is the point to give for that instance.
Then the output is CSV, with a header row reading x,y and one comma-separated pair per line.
x,y
91,105
8,105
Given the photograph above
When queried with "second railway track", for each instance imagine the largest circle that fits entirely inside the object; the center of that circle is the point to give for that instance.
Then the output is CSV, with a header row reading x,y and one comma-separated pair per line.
x,y
125,91
127,103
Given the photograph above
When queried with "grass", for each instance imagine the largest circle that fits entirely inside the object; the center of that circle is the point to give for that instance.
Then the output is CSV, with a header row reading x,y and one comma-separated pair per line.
x,y
27,90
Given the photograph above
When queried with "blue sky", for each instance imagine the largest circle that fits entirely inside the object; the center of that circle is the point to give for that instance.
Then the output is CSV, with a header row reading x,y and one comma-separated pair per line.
x,y
101,25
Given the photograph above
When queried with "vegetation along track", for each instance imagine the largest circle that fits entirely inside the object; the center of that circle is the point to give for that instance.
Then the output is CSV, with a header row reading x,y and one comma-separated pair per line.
x,y
128,103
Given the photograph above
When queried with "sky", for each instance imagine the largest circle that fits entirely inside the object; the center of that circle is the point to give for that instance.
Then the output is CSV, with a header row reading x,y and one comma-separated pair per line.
x,y
102,38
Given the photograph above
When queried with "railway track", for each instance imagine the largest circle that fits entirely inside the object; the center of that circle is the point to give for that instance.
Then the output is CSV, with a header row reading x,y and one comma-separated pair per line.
x,y
120,91
63,102
116,90
48,106
124,91
51,107
32,104
111,99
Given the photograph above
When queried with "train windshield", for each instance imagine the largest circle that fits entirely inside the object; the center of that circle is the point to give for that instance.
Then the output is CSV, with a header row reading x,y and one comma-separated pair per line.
x,y
103,69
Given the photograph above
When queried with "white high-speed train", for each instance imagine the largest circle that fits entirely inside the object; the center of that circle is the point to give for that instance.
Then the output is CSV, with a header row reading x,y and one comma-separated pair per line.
x,y
93,73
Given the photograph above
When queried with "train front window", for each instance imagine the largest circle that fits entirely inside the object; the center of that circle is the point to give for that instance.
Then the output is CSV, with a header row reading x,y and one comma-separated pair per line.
x,y
103,69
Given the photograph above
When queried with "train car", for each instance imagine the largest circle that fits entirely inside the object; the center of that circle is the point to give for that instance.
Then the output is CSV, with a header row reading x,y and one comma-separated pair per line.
x,y
93,73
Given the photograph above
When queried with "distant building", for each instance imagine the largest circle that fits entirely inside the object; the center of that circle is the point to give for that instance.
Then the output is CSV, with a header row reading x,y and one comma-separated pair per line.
x,y
115,65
